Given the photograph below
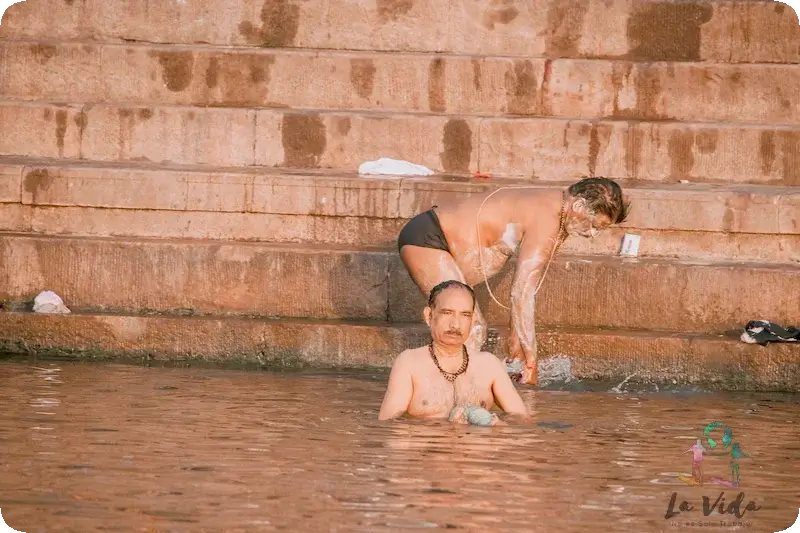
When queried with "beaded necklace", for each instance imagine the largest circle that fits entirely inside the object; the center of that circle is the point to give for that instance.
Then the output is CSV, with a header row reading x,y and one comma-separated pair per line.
x,y
451,376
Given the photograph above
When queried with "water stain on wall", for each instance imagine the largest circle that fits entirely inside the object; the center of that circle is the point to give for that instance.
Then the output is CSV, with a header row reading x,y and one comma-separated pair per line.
x,y
81,121
633,143
280,20
781,147
176,69
681,154
594,149
790,145
61,130
436,85
476,74
500,12
239,79
457,142
36,181
43,52
521,88
362,76
706,141
565,25
304,140
393,9
343,125
669,31
647,85
767,150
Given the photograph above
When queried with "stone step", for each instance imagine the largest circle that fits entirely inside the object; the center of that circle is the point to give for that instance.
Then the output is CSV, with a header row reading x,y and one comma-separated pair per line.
x,y
716,362
701,221
394,82
540,148
365,231
738,208
327,282
737,31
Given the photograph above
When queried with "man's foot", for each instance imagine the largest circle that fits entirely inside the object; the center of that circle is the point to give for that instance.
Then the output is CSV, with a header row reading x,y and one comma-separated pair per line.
x,y
521,373
530,376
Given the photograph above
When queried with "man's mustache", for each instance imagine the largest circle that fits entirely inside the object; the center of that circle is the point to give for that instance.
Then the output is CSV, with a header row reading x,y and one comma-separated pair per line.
x,y
453,332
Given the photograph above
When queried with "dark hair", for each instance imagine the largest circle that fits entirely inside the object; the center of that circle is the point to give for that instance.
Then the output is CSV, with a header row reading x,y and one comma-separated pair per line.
x,y
434,295
604,196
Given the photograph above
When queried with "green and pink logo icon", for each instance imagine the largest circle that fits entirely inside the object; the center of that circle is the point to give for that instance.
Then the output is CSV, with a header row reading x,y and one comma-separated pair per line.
x,y
724,447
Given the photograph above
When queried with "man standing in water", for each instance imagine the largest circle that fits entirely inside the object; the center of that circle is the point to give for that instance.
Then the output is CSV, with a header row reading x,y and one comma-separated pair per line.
x,y
471,240
697,451
432,380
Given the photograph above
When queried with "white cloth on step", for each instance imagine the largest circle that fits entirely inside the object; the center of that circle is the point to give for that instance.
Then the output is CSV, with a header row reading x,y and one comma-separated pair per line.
x,y
49,302
396,167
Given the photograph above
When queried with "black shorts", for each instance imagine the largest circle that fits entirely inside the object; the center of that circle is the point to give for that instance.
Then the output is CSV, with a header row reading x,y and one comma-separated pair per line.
x,y
423,230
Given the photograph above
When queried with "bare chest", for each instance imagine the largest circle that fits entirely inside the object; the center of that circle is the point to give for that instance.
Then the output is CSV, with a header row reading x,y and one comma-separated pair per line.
x,y
490,253
434,396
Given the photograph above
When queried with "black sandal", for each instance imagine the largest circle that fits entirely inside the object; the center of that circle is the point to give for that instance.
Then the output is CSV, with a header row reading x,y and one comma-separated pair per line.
x,y
763,332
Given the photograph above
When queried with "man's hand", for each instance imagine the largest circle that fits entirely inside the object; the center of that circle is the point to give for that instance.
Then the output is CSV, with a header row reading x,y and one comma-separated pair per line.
x,y
528,358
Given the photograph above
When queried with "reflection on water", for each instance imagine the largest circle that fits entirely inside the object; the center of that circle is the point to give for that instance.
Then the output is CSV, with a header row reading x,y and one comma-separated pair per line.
x,y
122,448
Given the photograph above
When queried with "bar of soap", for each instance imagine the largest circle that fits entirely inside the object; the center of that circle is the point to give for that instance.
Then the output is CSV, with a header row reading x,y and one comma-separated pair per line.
x,y
476,416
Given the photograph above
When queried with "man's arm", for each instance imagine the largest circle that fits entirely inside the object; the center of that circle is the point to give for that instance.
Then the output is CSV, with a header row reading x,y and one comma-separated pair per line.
x,y
505,393
399,390
533,257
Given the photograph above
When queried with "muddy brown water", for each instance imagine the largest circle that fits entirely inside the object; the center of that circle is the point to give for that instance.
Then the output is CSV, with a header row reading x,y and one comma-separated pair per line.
x,y
111,447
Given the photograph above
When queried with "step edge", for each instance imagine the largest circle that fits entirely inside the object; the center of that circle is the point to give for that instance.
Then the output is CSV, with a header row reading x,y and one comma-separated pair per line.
x,y
368,324
379,181
306,248
363,112
400,53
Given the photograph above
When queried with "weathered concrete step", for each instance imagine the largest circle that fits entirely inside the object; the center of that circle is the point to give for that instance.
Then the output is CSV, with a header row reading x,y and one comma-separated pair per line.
x,y
203,276
543,148
333,282
718,362
701,221
269,227
647,31
368,231
732,208
153,75
689,206
646,294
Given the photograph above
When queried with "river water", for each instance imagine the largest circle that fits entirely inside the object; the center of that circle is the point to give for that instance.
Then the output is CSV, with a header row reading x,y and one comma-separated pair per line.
x,y
112,447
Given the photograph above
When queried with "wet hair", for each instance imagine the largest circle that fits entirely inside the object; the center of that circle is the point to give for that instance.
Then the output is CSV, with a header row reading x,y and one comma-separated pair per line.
x,y
604,196
449,284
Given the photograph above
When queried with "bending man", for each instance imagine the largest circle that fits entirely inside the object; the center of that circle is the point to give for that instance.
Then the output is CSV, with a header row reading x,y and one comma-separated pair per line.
x,y
445,379
471,241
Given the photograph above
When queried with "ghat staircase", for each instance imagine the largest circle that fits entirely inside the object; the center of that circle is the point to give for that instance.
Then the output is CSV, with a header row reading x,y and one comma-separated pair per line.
x,y
183,173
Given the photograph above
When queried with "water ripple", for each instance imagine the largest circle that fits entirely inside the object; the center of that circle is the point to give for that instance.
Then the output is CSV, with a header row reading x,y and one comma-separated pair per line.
x,y
145,449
